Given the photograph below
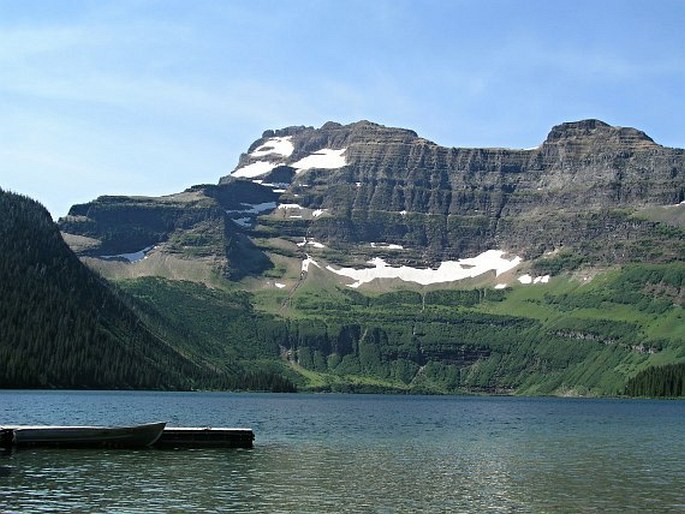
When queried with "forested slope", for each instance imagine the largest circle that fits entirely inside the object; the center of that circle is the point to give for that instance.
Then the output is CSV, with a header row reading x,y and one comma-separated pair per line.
x,y
62,325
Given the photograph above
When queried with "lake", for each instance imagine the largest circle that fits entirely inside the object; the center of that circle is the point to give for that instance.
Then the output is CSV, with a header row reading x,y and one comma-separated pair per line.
x,y
356,453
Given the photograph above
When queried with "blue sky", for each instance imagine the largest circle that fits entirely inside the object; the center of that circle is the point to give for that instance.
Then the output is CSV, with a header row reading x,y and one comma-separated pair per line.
x,y
152,96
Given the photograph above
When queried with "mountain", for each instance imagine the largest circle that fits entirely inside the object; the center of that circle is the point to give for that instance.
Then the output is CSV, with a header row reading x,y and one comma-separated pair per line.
x,y
585,189
380,260
381,184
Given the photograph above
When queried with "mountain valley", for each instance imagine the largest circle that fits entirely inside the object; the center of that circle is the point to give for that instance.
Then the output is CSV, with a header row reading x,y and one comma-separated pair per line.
x,y
364,258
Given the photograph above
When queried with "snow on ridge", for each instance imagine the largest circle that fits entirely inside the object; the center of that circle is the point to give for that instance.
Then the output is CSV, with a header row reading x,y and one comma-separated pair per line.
x,y
255,169
130,257
275,145
448,271
326,159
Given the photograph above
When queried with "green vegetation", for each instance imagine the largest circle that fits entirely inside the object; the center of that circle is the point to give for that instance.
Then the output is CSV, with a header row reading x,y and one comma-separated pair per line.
x,y
216,329
668,381
564,337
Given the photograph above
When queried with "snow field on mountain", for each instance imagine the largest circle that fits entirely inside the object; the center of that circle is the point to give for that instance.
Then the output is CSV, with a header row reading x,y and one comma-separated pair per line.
x,y
449,271
275,145
254,169
326,159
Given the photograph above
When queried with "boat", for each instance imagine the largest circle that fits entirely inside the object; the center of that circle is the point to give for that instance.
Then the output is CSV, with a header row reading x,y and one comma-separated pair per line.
x,y
138,436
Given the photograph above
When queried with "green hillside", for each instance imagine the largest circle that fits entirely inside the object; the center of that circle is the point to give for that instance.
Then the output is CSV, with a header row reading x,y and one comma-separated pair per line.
x,y
565,338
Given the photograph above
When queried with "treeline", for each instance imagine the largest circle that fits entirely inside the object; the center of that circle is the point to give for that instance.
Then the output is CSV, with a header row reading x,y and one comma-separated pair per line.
x,y
659,381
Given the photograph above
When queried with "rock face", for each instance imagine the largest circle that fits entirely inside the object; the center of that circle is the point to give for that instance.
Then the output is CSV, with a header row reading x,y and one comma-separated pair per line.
x,y
364,182
394,186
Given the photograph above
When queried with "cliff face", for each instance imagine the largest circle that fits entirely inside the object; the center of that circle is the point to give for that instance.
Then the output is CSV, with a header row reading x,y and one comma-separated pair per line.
x,y
391,185
351,185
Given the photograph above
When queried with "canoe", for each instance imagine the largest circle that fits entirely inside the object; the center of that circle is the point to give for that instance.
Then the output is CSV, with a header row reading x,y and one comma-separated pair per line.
x,y
138,436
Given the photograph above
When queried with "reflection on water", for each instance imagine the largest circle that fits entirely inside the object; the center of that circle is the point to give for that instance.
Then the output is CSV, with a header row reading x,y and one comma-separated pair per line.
x,y
328,453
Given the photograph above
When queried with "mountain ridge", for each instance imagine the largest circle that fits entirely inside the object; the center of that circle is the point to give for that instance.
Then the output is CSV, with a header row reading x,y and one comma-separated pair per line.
x,y
354,185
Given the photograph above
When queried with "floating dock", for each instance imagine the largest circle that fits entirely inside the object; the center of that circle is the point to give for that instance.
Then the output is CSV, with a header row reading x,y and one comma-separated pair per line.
x,y
208,437
154,435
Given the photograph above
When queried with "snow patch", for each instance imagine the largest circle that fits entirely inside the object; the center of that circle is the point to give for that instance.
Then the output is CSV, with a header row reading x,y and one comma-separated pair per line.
x,y
527,279
279,285
500,286
311,242
403,213
254,169
253,208
307,262
130,257
275,145
275,186
326,159
449,271
318,212
289,206
387,246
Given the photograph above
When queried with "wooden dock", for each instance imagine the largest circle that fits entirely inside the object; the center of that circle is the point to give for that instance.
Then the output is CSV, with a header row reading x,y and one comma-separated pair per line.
x,y
82,436
205,437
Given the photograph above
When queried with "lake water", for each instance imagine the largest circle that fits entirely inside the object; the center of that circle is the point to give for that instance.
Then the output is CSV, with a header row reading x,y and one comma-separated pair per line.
x,y
356,453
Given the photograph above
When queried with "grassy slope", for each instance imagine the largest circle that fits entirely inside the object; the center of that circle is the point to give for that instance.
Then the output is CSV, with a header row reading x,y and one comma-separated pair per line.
x,y
566,337
607,337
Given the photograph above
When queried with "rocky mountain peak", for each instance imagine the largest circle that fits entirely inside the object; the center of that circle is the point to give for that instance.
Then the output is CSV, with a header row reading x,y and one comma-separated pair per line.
x,y
595,131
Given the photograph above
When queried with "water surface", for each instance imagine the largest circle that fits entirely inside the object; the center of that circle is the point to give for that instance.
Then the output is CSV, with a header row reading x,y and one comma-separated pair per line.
x,y
356,453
